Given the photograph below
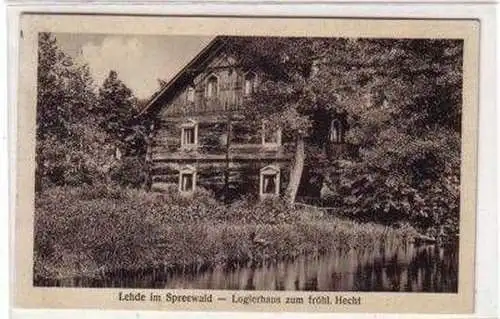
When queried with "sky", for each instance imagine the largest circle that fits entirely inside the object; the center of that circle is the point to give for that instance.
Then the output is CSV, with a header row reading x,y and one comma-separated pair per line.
x,y
140,60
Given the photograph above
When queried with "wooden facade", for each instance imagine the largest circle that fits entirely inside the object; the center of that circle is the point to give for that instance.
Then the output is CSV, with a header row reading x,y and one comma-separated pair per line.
x,y
201,139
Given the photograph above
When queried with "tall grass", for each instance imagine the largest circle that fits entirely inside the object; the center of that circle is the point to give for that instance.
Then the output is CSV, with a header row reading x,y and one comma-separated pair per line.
x,y
95,230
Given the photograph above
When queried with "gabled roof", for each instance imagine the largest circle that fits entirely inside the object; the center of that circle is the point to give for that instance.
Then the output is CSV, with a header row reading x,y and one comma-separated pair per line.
x,y
186,75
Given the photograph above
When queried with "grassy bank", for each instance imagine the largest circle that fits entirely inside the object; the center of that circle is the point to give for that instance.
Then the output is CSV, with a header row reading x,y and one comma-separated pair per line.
x,y
94,230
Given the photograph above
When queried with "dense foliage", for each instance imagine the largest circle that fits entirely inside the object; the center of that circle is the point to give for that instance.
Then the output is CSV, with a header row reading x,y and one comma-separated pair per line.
x,y
81,131
402,102
71,148
405,117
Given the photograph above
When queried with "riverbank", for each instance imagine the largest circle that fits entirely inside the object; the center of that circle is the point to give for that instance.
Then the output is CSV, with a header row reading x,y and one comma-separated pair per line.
x,y
88,232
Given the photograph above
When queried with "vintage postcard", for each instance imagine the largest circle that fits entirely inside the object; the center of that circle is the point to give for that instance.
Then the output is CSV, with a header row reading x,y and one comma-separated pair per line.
x,y
246,164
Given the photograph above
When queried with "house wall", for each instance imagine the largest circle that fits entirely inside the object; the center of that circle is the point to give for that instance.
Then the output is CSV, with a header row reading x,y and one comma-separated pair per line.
x,y
213,156
230,87
241,157
244,176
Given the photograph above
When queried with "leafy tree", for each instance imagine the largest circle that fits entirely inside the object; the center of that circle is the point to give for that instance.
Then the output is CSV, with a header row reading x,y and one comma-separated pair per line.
x,y
402,102
70,146
116,106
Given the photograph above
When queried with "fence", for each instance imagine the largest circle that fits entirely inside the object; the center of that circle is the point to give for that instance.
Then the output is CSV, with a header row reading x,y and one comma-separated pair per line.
x,y
315,205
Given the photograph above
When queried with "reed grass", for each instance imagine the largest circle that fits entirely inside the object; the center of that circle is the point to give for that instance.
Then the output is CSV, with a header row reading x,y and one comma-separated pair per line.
x,y
90,232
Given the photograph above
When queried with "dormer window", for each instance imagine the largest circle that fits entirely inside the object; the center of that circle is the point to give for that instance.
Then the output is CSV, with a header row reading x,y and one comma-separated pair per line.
x,y
189,134
212,88
249,86
270,136
269,181
190,94
187,180
336,132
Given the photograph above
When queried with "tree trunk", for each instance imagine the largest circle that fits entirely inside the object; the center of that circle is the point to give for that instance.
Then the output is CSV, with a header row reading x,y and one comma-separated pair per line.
x,y
226,170
296,171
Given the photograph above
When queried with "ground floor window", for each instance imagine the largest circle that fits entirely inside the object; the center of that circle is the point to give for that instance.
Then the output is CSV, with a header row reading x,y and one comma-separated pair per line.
x,y
187,180
336,131
269,181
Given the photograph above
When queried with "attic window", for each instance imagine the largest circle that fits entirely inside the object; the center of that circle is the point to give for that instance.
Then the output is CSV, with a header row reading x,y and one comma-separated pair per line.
x,y
314,68
249,86
187,179
212,87
189,134
336,131
190,94
269,181
270,136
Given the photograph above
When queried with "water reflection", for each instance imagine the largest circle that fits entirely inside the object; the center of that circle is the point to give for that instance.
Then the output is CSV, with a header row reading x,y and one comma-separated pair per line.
x,y
426,269
387,268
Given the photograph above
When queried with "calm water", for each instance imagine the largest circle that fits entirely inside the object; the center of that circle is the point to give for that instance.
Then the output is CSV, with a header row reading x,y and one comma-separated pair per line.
x,y
425,268
428,268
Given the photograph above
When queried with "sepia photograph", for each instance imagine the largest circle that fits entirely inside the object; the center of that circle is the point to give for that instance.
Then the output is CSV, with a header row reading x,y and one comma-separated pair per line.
x,y
247,163
171,163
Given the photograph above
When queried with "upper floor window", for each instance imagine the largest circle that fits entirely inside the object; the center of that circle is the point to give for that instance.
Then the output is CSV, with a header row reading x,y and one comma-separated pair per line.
x,y
187,179
314,68
190,94
271,136
249,86
189,134
118,153
336,131
212,88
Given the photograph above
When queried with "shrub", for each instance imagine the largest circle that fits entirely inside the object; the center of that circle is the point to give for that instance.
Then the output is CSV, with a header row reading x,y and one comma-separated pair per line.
x,y
130,172
431,206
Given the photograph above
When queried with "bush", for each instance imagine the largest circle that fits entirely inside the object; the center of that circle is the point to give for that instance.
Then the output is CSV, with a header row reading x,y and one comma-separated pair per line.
x,y
432,206
130,172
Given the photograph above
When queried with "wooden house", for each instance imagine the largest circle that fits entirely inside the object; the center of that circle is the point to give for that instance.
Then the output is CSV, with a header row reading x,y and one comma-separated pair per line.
x,y
201,139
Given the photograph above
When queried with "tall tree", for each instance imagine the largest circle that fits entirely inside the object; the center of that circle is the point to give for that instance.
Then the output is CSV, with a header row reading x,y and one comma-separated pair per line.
x,y
70,148
117,106
403,101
